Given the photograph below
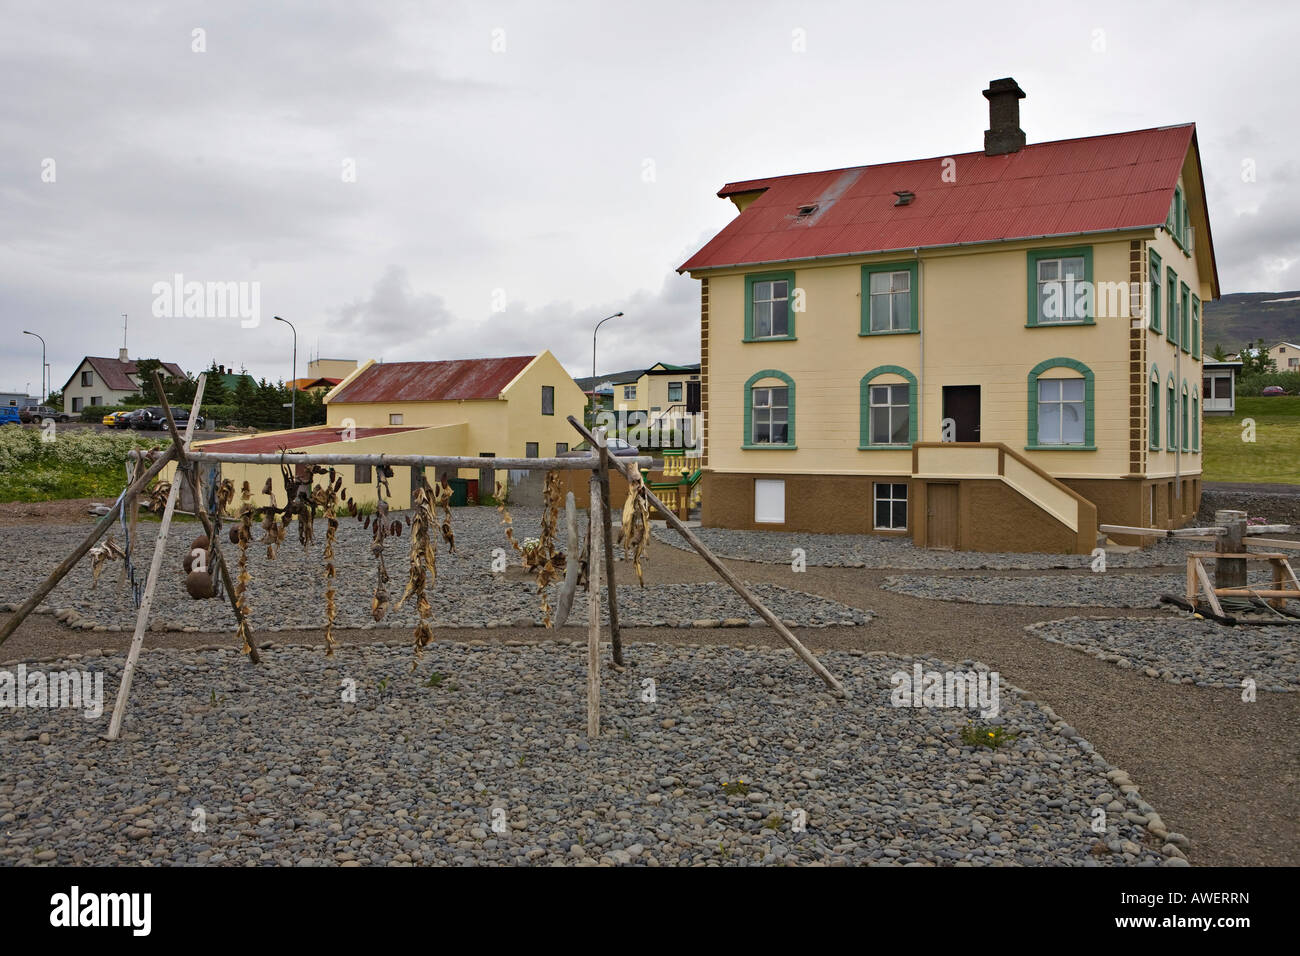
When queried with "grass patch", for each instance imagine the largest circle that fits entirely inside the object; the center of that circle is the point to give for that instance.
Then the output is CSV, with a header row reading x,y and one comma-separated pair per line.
x,y
1274,455
55,482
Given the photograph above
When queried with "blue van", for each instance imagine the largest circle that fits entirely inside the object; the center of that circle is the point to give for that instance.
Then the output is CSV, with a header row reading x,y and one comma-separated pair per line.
x,y
9,415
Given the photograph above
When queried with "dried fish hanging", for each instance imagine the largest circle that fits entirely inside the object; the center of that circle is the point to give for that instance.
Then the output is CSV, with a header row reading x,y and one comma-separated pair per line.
x,y
100,555
329,496
380,531
635,536
423,569
245,534
547,568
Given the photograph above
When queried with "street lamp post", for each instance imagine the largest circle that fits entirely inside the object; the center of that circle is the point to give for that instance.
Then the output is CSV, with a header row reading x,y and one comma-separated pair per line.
x,y
593,362
293,407
43,375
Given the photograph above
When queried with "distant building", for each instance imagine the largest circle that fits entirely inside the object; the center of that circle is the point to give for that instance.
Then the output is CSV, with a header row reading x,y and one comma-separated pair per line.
x,y
1219,386
17,399
337,369
1285,356
107,381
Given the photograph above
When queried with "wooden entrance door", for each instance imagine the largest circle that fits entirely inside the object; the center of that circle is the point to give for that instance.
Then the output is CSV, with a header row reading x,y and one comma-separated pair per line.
x,y
941,515
961,403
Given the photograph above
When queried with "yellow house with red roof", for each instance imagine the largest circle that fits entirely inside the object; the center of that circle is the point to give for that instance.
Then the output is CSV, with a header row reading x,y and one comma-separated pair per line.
x,y
994,350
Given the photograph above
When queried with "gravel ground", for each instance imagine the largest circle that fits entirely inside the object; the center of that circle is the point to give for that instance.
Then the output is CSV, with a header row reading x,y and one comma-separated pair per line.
x,y
414,773
289,592
879,551
1185,651
1060,590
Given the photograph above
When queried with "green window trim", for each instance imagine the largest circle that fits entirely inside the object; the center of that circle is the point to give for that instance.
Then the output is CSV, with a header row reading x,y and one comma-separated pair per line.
x,y
749,305
1183,412
1171,413
1185,333
1171,286
1033,256
864,407
1154,297
747,443
1089,437
1196,423
909,266
1196,328
1153,409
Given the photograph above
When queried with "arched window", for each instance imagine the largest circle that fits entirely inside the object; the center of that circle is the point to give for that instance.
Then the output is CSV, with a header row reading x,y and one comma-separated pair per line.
x,y
887,416
1171,414
1061,406
769,410
1153,410
1183,413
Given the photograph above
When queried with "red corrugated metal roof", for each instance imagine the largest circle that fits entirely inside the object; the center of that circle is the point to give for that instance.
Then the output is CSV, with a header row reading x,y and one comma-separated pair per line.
x,y
296,440
455,380
1100,183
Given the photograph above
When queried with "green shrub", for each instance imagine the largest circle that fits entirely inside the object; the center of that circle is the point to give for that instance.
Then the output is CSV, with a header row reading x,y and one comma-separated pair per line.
x,y
1254,384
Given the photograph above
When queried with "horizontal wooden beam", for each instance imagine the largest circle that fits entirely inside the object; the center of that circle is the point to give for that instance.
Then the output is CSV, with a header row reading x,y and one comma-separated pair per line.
x,y
1159,532
576,463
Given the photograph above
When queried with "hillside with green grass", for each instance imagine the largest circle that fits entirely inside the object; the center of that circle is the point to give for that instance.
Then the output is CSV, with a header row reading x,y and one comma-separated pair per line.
x,y
1273,456
1243,317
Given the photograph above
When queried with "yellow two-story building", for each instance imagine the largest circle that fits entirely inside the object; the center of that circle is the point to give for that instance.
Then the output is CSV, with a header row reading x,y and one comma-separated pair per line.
x,y
994,350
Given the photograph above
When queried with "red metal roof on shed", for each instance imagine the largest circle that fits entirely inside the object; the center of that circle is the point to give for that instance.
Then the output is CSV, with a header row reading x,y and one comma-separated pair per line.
x,y
454,380
296,440
1096,184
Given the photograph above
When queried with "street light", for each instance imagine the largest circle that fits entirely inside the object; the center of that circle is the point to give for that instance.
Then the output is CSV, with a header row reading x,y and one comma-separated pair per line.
x,y
43,364
293,408
593,362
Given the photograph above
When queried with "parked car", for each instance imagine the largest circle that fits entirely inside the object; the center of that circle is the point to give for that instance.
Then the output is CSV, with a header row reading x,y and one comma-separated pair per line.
x,y
111,419
125,419
9,415
181,416
1273,390
146,418
38,413
617,446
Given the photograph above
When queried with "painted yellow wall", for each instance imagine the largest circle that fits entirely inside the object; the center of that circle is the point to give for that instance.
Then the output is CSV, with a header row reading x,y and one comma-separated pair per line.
x,y
525,421
330,368
1286,356
973,318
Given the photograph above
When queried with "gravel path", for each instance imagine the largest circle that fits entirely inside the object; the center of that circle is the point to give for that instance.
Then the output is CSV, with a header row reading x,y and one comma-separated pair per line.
x,y
1061,590
289,592
1185,651
879,551
739,745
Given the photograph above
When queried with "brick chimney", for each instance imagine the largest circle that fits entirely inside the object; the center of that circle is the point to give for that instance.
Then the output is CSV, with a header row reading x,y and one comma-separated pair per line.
x,y
1004,134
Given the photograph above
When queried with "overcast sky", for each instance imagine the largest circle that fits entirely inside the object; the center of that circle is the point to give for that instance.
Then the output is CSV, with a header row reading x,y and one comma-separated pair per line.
x,y
440,180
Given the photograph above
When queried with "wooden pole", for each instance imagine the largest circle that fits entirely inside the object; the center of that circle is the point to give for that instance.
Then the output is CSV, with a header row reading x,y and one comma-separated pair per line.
x,y
70,562
146,604
593,614
200,509
615,640
736,584
576,463
1230,572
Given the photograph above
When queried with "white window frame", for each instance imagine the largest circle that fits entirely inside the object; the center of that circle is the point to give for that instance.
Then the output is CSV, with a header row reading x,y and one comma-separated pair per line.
x,y
396,418
1068,300
1061,402
770,302
887,300
888,408
768,409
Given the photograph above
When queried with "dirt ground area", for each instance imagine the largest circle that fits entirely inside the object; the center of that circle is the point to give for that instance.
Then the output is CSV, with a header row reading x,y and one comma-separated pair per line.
x,y
1221,771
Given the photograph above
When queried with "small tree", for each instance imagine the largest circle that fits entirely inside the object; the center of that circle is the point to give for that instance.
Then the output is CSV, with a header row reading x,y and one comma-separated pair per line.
x,y
1219,354
1255,359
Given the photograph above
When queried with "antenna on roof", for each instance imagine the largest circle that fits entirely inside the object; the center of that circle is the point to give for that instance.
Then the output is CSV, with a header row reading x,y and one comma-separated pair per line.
x,y
123,330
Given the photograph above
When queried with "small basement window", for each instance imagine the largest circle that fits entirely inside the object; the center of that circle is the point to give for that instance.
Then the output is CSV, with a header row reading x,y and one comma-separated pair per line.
x,y
769,501
395,418
891,506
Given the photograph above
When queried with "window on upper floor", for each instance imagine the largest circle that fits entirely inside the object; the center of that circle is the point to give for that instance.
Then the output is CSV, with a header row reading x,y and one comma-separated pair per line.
x,y
889,298
629,393
1196,327
548,399
1171,297
769,306
1153,289
87,378
1153,411
1060,284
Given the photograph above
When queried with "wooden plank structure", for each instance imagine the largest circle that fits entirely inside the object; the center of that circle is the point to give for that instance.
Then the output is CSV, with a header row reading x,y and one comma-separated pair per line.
x,y
600,540
1230,535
